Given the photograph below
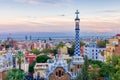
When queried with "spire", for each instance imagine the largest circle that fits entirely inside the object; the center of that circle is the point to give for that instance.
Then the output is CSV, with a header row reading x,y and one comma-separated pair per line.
x,y
77,18
77,41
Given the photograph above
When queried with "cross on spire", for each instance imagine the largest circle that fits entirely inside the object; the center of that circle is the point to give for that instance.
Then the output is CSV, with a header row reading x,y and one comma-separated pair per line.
x,y
77,12
77,18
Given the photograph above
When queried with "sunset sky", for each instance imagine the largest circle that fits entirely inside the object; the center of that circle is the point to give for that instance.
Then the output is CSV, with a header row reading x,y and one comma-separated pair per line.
x,y
58,15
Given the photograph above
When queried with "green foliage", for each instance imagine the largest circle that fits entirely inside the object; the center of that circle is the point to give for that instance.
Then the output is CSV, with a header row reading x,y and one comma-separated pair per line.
x,y
71,50
94,75
7,46
42,59
16,74
20,57
110,69
95,66
47,51
114,61
35,51
82,43
96,62
105,70
59,45
101,43
55,51
83,74
2,45
31,67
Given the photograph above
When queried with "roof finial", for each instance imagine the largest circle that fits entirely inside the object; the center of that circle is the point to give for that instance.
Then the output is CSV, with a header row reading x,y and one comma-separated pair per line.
x,y
77,12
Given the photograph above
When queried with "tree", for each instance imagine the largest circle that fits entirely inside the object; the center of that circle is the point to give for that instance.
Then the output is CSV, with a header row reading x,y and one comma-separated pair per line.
x,y
46,51
20,57
93,75
115,62
16,74
59,45
31,67
96,63
42,59
35,51
101,44
105,70
7,46
83,74
71,50
114,70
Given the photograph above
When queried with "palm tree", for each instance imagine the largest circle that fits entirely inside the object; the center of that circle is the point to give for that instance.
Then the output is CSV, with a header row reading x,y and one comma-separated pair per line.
x,y
20,57
16,74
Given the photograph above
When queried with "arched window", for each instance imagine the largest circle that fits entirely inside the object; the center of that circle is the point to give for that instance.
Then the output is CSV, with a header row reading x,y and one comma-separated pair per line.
x,y
59,73
62,73
78,66
56,73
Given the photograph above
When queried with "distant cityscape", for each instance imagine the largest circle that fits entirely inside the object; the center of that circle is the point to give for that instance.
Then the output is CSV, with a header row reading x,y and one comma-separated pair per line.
x,y
55,35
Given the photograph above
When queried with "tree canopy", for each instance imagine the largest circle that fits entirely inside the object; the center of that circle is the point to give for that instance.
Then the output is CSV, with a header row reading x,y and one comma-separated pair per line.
x,y
71,50
101,44
16,74
35,51
42,59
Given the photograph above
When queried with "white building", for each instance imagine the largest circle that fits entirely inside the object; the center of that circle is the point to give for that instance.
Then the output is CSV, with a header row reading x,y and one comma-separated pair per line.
x,y
93,52
5,64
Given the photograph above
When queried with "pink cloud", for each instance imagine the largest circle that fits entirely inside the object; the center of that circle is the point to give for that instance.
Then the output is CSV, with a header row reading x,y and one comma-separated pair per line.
x,y
58,24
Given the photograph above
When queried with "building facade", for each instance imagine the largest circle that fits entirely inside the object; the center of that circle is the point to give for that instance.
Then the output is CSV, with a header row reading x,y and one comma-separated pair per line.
x,y
112,47
93,52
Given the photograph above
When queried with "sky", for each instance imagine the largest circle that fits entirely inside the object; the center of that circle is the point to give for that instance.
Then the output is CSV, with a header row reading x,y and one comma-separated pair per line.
x,y
59,15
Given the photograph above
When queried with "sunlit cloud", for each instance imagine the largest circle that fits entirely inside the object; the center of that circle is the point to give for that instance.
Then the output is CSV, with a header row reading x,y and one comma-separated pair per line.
x,y
58,24
44,1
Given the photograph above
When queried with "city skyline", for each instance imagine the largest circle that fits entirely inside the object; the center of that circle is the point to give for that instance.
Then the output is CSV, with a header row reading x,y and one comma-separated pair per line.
x,y
58,15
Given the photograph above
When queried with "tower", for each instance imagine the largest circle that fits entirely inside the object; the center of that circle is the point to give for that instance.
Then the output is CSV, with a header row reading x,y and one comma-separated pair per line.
x,y
77,58
77,38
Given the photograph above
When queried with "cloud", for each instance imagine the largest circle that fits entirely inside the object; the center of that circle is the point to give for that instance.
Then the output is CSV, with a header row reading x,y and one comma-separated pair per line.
x,y
109,11
44,1
58,24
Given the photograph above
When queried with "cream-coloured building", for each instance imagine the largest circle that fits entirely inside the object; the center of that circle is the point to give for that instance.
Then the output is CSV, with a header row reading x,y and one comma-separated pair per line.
x,y
112,47
64,50
40,68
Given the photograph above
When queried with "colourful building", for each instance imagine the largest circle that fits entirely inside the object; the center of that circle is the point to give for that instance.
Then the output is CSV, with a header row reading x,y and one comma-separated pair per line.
x,y
30,58
112,47
64,50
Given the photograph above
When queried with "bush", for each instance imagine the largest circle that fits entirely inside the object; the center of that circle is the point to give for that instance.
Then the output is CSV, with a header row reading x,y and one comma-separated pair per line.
x,y
42,59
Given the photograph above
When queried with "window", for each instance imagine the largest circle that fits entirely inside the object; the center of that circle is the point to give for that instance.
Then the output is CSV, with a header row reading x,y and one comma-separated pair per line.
x,y
59,73
62,73
92,50
96,57
71,70
78,66
56,73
